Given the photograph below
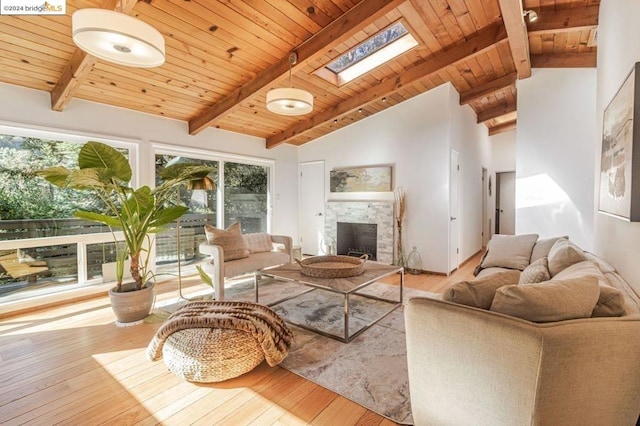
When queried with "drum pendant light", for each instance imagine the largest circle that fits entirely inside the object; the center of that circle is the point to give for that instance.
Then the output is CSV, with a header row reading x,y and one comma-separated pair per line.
x,y
118,38
289,100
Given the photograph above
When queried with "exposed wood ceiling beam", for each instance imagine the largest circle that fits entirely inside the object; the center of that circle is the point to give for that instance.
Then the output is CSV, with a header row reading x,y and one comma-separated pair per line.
x,y
485,89
593,37
486,39
518,38
501,128
76,70
349,23
565,60
557,21
80,65
496,112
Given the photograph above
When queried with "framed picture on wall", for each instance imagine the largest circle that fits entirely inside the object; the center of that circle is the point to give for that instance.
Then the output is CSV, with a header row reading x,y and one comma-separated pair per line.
x,y
620,165
361,179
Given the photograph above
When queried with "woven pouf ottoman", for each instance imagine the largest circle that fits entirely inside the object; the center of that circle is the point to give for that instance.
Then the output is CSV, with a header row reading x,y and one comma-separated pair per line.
x,y
211,355
214,341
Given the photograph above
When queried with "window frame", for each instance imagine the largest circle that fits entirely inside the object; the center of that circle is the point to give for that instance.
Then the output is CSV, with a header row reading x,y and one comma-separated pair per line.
x,y
334,78
159,148
82,240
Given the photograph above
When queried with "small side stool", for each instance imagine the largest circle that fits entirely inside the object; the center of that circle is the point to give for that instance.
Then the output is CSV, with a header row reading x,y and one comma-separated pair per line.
x,y
208,355
212,341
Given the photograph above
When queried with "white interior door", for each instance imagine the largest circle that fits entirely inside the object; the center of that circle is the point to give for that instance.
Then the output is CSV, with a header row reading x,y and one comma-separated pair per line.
x,y
311,211
453,211
506,202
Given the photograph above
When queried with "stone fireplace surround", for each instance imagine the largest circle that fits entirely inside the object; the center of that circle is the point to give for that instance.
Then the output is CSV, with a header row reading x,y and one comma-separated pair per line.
x,y
378,212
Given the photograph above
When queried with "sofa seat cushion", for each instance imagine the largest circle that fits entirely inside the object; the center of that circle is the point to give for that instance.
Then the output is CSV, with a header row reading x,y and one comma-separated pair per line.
x,y
563,254
611,302
229,239
479,293
537,272
555,300
509,251
254,262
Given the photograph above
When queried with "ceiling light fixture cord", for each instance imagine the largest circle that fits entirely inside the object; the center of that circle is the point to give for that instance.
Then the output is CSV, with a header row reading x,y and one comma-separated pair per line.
x,y
293,59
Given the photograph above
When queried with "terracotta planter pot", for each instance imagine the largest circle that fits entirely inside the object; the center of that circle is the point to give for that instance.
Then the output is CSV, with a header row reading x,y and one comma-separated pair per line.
x,y
131,306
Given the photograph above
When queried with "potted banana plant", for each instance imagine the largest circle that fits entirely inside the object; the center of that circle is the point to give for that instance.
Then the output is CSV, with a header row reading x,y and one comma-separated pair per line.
x,y
138,213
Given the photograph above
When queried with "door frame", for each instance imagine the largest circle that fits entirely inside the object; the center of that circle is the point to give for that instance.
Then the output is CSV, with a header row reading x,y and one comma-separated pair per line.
x,y
453,264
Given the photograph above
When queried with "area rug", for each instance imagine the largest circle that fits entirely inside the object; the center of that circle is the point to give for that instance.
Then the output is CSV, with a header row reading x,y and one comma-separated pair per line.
x,y
371,370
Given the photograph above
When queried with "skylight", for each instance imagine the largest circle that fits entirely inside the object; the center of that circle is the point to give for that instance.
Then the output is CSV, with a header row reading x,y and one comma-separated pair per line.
x,y
382,47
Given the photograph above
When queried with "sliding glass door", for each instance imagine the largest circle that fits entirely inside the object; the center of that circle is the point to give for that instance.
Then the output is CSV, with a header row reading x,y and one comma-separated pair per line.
x,y
180,241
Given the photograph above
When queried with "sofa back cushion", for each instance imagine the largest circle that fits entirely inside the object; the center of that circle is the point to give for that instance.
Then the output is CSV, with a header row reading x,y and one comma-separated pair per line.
x,y
509,251
229,239
602,265
479,293
563,254
555,300
258,242
542,247
611,302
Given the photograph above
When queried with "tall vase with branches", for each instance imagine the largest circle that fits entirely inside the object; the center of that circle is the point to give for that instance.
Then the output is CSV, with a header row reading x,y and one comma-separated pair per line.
x,y
400,209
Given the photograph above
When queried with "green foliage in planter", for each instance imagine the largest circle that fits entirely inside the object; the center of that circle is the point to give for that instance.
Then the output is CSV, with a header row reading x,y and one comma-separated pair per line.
x,y
106,173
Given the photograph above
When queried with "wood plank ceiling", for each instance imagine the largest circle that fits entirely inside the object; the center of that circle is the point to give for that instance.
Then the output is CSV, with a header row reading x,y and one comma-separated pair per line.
x,y
223,57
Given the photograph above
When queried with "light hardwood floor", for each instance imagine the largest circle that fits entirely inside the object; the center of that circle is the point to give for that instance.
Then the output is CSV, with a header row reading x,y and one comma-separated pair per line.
x,y
70,365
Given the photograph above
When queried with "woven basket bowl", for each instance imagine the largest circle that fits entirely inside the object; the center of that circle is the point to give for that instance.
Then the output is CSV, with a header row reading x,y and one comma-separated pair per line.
x,y
208,355
332,266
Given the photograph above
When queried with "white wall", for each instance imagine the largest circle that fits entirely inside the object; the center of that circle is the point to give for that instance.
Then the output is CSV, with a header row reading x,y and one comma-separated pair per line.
x,y
415,137
556,136
503,152
471,140
28,108
616,240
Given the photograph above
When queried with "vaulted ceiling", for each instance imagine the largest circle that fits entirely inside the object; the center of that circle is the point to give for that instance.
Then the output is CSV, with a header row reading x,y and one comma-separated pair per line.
x,y
223,56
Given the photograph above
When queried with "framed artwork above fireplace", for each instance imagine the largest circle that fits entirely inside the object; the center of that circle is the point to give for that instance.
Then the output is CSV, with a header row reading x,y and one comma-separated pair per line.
x,y
361,179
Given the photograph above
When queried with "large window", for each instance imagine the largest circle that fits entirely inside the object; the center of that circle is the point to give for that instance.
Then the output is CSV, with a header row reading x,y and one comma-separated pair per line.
x,y
241,196
32,208
44,249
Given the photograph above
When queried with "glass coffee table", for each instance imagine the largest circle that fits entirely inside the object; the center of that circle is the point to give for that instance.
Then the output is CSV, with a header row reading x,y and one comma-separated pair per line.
x,y
345,287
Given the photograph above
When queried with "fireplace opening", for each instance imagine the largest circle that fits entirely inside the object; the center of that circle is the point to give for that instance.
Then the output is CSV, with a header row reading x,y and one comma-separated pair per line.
x,y
356,239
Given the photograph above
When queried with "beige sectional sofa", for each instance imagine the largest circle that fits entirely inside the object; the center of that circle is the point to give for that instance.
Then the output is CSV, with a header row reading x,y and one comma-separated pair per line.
x,y
276,251
472,364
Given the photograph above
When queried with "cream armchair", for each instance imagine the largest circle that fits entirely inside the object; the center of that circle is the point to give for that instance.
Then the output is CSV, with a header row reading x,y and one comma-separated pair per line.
x,y
219,269
468,366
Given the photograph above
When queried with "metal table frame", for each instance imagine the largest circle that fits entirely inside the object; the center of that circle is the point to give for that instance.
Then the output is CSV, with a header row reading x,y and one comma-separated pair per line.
x,y
314,286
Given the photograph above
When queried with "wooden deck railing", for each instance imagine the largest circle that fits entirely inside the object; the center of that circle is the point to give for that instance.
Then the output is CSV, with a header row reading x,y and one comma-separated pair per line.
x,y
75,248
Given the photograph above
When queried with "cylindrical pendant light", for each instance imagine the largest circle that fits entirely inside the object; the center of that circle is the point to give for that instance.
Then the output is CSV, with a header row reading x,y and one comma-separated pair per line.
x,y
118,38
289,100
